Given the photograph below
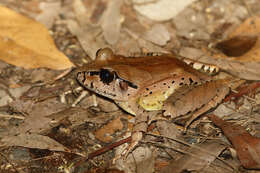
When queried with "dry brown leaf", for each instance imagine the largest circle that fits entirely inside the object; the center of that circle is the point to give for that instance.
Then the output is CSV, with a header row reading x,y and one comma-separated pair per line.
x,y
16,92
105,134
50,11
33,141
86,33
197,159
36,120
160,10
27,43
237,45
142,159
246,145
106,105
248,32
158,35
87,38
168,129
111,21
244,70
246,64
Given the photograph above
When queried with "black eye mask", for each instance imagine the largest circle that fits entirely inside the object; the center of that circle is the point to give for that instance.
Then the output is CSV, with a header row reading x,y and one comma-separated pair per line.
x,y
107,77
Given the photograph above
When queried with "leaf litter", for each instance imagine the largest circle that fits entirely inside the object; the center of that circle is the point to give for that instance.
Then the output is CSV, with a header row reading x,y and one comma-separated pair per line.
x,y
34,117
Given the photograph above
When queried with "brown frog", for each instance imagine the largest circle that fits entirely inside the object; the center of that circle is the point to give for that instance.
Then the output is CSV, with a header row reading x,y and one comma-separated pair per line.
x,y
149,83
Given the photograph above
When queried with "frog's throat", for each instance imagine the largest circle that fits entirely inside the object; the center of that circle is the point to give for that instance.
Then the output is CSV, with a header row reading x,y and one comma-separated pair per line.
x,y
155,101
150,103
125,106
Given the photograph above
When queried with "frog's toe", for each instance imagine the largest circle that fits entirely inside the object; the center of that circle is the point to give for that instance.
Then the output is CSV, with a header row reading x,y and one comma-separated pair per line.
x,y
136,138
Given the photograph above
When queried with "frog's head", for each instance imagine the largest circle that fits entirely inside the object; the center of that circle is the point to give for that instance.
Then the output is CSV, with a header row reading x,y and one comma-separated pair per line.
x,y
100,77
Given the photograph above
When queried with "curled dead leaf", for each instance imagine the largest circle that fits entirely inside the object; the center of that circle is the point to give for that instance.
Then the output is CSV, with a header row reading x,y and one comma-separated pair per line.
x,y
240,54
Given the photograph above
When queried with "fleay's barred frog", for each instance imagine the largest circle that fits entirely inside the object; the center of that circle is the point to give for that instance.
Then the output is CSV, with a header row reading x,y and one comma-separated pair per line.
x,y
148,83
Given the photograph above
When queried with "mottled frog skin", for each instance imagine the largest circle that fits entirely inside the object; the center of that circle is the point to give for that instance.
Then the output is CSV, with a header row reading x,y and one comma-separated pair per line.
x,y
138,85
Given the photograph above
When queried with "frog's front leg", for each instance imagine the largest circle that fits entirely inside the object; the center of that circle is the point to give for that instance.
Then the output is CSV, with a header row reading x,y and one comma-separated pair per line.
x,y
140,127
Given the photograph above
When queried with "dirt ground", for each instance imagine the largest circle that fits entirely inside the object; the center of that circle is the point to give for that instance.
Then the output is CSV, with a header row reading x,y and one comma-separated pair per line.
x,y
44,129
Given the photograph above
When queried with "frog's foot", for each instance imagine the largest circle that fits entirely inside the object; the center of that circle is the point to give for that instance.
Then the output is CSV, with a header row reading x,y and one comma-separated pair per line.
x,y
136,138
140,127
80,90
204,67
83,94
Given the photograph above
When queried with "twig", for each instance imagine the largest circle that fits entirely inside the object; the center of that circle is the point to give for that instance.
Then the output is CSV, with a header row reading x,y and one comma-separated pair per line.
x,y
104,150
12,116
243,91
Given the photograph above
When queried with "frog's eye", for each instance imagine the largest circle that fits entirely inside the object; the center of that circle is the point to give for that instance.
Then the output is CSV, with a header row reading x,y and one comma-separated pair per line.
x,y
106,76
104,54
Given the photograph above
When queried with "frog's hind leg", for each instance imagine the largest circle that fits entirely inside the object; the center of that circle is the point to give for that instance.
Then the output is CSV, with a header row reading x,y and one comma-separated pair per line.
x,y
195,100
221,92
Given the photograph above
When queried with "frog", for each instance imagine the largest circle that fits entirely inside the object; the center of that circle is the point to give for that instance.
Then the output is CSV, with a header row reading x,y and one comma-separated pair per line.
x,y
142,85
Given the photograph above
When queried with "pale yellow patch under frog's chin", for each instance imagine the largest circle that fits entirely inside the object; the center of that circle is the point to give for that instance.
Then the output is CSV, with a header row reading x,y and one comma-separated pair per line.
x,y
150,102
155,101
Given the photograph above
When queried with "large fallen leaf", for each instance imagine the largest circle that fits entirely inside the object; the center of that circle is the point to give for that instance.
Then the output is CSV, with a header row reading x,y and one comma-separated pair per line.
x,y
27,43
246,145
33,141
196,159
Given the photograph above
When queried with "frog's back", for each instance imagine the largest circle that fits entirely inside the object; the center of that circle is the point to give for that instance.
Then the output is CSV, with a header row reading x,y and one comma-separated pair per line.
x,y
150,69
